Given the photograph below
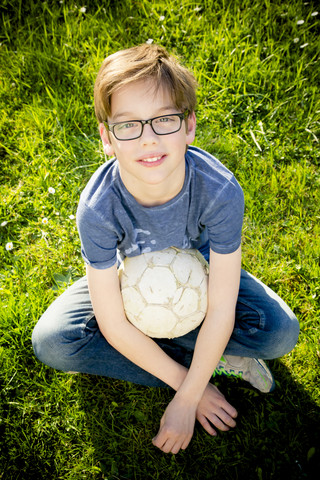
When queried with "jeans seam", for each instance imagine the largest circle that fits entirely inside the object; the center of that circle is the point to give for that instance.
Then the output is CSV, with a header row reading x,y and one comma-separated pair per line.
x,y
85,325
259,312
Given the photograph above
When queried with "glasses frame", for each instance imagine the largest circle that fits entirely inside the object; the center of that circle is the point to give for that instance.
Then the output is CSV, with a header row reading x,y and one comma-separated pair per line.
x,y
111,126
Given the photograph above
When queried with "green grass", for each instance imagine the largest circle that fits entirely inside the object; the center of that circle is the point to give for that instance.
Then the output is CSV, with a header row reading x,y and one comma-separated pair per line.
x,y
258,111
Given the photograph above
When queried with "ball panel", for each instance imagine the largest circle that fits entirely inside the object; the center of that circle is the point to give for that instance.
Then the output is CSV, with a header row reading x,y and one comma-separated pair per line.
x,y
165,292
177,295
181,267
132,268
187,324
163,321
161,258
203,298
188,268
188,303
197,272
157,285
133,302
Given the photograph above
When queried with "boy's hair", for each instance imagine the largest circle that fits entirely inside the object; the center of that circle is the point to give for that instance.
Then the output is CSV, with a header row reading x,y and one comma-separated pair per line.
x,y
143,62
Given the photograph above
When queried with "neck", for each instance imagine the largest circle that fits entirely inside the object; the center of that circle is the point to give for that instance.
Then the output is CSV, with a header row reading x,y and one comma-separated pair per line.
x,y
154,194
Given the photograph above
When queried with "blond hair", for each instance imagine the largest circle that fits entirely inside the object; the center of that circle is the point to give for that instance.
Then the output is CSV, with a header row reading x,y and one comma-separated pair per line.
x,y
143,62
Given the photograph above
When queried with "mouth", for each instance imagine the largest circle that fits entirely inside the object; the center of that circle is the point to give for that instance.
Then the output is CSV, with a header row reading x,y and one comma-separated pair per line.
x,y
152,160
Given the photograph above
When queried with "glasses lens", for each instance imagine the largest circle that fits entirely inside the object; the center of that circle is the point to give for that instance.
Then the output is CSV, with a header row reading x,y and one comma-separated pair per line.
x,y
166,124
162,125
127,130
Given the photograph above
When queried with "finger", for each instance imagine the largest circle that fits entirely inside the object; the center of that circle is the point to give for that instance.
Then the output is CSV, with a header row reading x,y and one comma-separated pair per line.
x,y
180,445
226,415
225,405
159,440
226,418
207,425
186,442
170,446
176,449
224,408
162,436
217,422
230,410
164,442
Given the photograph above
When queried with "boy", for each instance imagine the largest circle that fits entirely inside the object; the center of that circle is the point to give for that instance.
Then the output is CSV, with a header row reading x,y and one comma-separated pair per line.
x,y
157,192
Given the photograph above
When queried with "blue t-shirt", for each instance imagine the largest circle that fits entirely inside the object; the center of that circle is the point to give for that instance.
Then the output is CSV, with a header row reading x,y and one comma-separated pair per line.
x,y
206,213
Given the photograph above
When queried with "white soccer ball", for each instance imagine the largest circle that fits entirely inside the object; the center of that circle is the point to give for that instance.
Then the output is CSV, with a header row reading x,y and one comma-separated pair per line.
x,y
165,293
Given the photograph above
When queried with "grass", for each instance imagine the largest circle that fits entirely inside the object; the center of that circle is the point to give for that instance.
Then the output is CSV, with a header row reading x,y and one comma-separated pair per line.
x,y
258,70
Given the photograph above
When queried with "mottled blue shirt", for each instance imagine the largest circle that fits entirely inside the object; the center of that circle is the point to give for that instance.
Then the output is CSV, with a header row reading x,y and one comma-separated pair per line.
x,y
206,213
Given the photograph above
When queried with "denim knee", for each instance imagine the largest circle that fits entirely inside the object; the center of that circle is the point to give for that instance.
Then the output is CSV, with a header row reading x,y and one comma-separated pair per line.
x,y
265,326
45,345
55,342
283,335
65,328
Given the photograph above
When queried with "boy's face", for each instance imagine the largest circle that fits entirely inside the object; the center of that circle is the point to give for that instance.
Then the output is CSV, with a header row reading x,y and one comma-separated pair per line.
x,y
152,164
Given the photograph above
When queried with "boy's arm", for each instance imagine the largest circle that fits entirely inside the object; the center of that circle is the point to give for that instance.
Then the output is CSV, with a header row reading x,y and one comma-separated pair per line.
x,y
143,351
195,398
122,335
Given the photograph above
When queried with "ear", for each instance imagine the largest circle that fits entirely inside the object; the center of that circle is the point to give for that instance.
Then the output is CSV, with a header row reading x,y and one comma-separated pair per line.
x,y
107,147
191,128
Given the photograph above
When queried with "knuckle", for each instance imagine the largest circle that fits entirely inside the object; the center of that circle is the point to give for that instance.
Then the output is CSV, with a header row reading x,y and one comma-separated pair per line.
x,y
170,431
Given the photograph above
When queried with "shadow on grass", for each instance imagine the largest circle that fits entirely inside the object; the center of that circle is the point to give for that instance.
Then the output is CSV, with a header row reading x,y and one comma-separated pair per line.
x,y
60,426
277,435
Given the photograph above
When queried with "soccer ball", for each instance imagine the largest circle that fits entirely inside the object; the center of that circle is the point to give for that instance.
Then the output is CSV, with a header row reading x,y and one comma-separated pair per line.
x,y
165,292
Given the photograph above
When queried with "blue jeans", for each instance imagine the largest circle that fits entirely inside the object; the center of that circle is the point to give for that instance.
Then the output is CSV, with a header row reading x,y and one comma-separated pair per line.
x,y
68,338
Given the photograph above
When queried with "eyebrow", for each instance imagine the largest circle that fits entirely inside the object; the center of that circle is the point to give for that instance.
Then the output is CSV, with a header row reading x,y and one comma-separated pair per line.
x,y
131,116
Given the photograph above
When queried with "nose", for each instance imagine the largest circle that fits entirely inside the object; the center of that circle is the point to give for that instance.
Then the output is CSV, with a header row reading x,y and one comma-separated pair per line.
x,y
148,136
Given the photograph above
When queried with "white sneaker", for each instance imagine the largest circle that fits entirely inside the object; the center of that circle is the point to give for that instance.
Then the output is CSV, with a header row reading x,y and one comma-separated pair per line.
x,y
253,370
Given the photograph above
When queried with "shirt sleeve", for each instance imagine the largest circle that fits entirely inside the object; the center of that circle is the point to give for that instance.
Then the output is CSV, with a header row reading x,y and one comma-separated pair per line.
x,y
98,238
224,218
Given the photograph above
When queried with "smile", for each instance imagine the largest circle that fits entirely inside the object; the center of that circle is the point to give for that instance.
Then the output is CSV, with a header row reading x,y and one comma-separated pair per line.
x,y
151,159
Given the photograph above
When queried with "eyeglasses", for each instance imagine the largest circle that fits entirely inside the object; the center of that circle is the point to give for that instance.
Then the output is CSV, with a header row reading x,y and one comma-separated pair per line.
x,y
162,125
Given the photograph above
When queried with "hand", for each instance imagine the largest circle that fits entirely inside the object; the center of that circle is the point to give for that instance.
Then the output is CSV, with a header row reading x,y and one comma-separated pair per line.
x,y
214,408
176,426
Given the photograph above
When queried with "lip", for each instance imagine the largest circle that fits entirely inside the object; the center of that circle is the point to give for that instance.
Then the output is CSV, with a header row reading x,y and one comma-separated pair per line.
x,y
152,160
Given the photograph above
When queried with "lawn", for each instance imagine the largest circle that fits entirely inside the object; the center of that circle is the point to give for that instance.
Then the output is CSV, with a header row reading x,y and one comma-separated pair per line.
x,y
257,64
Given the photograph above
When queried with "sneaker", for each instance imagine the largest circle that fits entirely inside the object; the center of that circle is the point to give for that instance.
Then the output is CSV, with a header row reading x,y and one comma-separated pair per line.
x,y
253,370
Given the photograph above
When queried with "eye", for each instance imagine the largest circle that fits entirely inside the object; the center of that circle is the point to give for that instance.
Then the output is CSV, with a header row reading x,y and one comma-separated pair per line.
x,y
126,125
166,119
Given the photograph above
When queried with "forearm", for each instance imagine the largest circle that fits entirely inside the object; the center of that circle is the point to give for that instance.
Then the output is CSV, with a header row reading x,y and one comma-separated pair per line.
x,y
211,343
145,353
223,288
195,399
122,335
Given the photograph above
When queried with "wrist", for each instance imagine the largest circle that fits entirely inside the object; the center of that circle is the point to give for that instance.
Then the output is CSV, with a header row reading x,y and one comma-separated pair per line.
x,y
188,394
178,377
192,388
